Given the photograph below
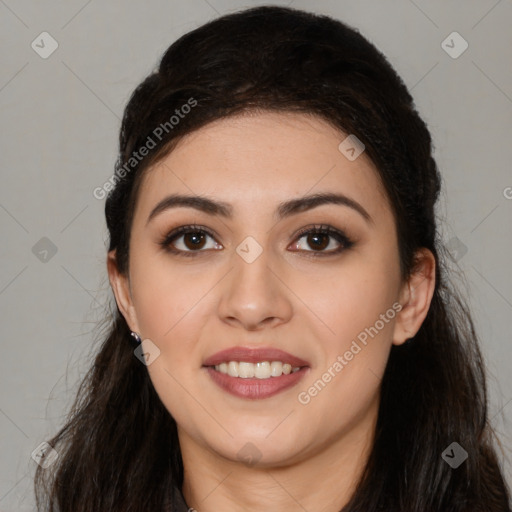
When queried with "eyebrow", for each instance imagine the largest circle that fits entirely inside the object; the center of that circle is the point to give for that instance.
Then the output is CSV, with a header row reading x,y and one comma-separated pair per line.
x,y
285,209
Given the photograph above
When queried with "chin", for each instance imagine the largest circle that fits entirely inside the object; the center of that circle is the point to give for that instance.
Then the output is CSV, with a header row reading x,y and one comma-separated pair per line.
x,y
261,452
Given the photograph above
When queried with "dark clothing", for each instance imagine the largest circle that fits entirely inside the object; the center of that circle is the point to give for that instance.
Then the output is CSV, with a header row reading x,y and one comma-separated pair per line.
x,y
178,502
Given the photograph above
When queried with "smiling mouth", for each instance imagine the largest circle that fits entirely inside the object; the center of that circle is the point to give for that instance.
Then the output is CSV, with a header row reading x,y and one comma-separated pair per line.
x,y
259,370
255,372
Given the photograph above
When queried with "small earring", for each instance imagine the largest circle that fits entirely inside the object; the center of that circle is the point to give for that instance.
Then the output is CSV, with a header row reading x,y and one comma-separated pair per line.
x,y
137,337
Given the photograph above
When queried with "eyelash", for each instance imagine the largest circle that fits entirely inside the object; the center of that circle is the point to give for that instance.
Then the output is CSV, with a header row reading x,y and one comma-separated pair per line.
x,y
339,236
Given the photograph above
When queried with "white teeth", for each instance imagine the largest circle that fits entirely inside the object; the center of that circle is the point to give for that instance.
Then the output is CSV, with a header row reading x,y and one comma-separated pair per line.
x,y
233,369
277,368
260,370
245,370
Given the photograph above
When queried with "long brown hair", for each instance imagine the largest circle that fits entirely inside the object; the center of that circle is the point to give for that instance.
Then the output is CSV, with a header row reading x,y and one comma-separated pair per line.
x,y
119,449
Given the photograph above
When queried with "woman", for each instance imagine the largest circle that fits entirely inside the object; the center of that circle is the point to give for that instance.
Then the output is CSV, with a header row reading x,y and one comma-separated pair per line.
x,y
275,260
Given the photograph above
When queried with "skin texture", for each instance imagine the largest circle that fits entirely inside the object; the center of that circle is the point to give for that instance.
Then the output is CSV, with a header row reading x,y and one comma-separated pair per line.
x,y
310,455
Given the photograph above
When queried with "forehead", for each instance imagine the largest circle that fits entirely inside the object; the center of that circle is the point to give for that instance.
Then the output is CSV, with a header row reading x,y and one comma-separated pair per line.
x,y
259,159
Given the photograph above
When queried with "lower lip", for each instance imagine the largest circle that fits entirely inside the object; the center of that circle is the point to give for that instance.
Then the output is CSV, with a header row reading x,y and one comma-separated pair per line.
x,y
255,388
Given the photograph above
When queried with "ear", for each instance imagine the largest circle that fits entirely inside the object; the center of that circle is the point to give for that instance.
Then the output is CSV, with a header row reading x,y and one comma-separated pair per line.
x,y
415,297
121,287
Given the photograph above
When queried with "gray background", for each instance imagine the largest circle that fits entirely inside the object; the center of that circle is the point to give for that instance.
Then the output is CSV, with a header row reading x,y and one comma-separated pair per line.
x,y
60,123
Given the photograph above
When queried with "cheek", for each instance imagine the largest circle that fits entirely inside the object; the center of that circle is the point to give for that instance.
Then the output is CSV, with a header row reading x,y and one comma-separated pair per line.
x,y
164,297
362,315
358,310
346,382
169,306
349,300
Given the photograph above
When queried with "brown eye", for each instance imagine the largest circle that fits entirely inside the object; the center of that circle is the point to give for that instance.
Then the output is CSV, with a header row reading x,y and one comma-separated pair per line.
x,y
193,240
319,238
319,241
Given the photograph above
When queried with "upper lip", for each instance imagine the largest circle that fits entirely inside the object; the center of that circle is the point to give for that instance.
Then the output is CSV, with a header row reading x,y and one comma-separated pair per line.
x,y
254,355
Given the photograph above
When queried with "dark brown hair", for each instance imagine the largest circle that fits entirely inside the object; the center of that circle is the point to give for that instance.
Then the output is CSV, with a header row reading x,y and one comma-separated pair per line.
x,y
119,449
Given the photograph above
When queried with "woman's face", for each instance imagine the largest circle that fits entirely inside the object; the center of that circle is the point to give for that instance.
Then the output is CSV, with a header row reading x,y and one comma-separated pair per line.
x,y
254,281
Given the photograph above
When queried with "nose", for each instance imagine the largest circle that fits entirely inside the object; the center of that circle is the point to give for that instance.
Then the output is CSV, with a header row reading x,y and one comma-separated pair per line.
x,y
254,294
